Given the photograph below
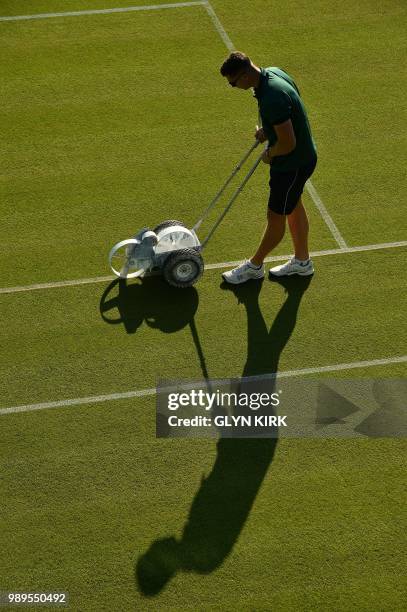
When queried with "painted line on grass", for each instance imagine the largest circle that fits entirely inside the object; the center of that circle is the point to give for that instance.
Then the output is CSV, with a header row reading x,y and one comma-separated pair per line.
x,y
356,249
67,283
127,9
214,266
325,215
95,399
218,26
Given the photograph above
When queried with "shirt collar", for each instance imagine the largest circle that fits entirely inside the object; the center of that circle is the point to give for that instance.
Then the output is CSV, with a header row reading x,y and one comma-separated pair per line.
x,y
257,91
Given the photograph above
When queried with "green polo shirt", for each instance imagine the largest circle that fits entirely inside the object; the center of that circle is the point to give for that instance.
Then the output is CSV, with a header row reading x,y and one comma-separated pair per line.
x,y
279,100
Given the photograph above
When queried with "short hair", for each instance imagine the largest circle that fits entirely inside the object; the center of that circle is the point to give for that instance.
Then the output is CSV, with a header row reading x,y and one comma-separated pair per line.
x,y
234,63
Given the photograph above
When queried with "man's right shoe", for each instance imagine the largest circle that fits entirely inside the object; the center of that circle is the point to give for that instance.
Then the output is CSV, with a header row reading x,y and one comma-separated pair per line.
x,y
246,271
294,266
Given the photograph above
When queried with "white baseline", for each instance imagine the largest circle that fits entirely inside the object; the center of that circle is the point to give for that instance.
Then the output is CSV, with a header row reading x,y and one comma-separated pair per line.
x,y
213,266
96,399
127,9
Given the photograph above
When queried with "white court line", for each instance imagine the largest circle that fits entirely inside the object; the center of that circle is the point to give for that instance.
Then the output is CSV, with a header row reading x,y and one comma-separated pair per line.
x,y
127,9
325,214
67,283
95,399
356,249
219,27
214,266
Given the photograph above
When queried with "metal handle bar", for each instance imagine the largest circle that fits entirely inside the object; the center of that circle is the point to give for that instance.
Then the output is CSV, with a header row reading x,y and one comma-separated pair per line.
x,y
236,193
222,189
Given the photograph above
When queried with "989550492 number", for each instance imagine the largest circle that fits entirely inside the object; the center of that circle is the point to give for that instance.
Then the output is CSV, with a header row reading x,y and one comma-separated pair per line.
x,y
20,598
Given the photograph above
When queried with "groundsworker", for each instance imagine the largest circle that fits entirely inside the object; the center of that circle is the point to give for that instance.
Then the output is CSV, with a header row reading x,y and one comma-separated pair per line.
x,y
292,156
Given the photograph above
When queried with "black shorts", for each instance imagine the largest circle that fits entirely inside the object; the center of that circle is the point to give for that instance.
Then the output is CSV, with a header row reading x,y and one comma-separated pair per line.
x,y
286,188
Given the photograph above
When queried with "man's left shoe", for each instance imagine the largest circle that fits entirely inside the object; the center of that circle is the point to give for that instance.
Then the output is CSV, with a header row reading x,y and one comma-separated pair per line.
x,y
243,273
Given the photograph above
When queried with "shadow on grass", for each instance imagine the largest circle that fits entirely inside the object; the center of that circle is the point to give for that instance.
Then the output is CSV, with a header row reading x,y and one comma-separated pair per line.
x,y
150,300
155,302
223,502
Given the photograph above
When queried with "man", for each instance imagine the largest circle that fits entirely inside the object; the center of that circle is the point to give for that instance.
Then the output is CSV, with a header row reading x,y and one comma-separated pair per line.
x,y
292,156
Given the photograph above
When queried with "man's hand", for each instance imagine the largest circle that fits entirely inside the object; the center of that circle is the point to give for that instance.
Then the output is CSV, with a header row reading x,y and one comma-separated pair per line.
x,y
266,156
260,135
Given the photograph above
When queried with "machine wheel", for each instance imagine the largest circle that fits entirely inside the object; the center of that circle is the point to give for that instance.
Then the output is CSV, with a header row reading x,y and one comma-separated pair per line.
x,y
124,260
132,258
166,224
183,268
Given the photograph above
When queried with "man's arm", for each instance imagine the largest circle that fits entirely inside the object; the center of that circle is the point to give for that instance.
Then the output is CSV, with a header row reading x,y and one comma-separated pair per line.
x,y
286,141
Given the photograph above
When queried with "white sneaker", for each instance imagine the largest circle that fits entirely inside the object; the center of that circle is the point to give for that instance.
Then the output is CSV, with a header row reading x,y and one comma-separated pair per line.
x,y
243,273
294,266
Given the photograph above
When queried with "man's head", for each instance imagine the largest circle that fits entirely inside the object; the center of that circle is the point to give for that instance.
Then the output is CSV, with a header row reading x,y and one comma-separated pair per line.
x,y
240,71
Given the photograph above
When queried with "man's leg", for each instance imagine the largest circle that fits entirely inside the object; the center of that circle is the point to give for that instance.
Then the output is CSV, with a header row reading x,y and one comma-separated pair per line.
x,y
273,235
253,268
301,263
299,228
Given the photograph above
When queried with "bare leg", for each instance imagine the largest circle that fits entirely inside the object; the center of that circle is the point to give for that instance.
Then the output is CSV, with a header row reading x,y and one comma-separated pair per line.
x,y
273,234
299,228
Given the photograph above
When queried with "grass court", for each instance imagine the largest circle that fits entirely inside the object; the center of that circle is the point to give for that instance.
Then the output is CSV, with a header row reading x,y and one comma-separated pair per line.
x,y
119,120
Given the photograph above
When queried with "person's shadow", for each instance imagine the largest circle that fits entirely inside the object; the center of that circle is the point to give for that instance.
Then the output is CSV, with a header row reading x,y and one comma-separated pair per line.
x,y
224,500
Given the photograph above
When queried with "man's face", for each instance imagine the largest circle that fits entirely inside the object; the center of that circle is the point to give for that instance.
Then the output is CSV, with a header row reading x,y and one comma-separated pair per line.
x,y
239,80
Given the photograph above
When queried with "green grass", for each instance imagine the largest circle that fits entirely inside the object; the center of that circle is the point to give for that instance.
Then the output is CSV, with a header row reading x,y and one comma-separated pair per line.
x,y
88,492
112,122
